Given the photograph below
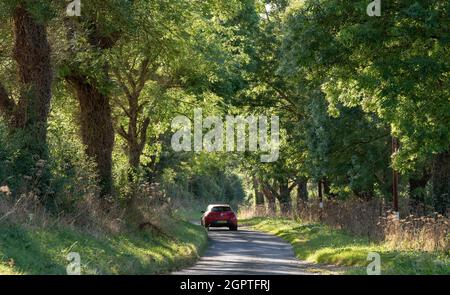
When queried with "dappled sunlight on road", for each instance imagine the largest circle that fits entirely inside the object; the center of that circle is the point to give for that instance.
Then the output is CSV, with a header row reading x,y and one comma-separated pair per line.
x,y
253,253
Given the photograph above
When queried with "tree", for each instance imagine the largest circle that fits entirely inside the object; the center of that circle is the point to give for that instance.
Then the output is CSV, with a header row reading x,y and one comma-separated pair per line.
x,y
87,71
142,65
393,66
33,56
259,196
26,92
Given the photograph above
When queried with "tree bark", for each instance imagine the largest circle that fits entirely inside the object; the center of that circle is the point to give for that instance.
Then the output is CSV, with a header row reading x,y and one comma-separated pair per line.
x,y
302,191
136,133
395,176
319,191
136,142
270,198
97,130
285,196
441,182
320,194
96,127
32,53
259,196
327,190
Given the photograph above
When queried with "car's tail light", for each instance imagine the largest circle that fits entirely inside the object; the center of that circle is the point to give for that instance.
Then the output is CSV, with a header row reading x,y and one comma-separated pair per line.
x,y
231,215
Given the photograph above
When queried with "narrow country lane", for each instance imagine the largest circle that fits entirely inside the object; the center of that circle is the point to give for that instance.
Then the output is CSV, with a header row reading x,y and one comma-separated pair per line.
x,y
251,252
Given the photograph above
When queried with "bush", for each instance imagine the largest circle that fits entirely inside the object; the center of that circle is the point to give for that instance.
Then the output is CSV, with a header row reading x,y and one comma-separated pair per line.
x,y
73,177
17,163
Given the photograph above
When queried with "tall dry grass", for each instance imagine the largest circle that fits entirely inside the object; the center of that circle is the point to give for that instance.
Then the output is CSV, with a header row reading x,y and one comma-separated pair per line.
x,y
416,233
90,214
149,209
34,203
371,219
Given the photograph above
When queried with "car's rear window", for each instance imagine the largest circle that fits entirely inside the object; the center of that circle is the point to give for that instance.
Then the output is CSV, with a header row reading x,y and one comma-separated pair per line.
x,y
220,209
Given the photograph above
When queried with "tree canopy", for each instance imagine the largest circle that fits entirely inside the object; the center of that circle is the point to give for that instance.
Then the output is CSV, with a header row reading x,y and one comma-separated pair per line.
x,y
97,93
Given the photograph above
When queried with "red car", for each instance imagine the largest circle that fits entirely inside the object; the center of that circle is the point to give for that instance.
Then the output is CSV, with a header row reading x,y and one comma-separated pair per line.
x,y
219,215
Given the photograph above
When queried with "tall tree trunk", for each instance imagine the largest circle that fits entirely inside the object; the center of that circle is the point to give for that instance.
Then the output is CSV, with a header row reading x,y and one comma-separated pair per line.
x,y
270,198
33,55
441,182
320,194
134,149
136,138
395,178
302,191
96,127
327,190
136,133
284,196
319,191
96,123
259,196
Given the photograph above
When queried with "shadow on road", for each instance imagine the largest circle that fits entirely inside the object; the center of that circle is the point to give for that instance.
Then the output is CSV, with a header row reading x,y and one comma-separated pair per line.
x,y
248,252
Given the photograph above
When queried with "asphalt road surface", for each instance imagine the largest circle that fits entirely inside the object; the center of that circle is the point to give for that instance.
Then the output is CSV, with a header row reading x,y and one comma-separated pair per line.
x,y
249,252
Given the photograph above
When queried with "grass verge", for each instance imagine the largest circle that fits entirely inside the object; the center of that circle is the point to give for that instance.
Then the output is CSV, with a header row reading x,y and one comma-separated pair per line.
x,y
191,213
321,244
25,250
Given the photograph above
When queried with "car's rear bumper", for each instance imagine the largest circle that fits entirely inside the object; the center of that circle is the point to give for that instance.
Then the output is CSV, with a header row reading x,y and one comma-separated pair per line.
x,y
217,223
